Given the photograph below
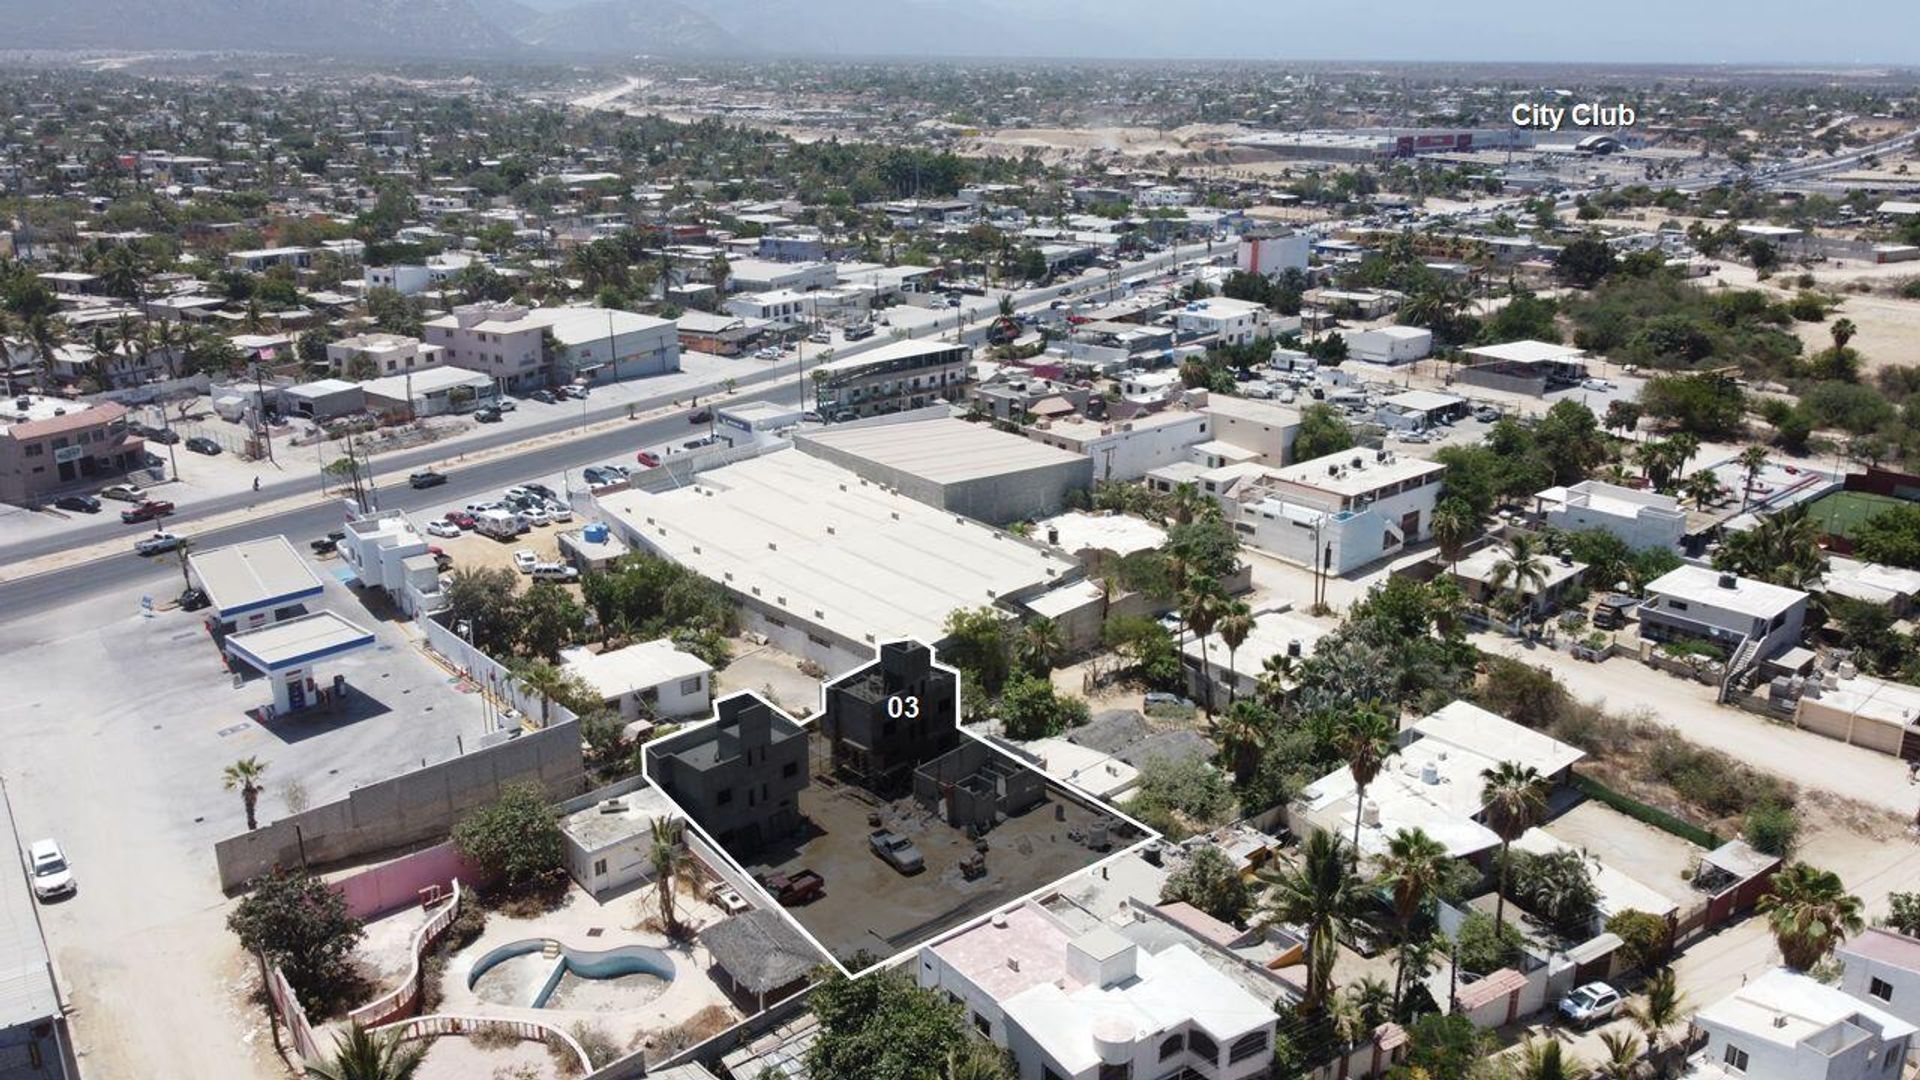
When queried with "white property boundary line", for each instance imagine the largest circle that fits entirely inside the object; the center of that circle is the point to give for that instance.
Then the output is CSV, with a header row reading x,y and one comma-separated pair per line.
x,y
1147,834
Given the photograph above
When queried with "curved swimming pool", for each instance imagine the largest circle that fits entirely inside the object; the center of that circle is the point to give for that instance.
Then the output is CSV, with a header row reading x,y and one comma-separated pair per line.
x,y
580,963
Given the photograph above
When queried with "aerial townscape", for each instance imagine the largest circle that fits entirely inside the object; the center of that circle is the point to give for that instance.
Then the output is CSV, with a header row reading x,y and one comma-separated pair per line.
x,y
922,540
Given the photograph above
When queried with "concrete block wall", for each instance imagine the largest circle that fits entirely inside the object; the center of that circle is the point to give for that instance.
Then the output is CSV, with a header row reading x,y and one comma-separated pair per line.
x,y
416,806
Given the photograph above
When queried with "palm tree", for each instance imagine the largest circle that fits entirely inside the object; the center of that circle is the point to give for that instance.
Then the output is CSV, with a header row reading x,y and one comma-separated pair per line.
x,y
1523,566
1659,1010
1453,527
245,774
1321,895
670,862
1242,731
1752,460
1276,677
1366,741
1546,1059
1515,797
359,1054
1039,646
1842,331
1200,609
1413,867
1703,488
1185,503
1623,1055
1236,623
1810,911
977,1059
544,680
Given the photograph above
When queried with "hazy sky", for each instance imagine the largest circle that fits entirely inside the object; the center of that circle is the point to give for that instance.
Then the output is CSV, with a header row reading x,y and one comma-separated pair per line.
x,y
1617,31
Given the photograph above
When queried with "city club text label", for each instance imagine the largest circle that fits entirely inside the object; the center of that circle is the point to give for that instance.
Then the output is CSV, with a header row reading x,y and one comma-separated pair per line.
x,y
1587,114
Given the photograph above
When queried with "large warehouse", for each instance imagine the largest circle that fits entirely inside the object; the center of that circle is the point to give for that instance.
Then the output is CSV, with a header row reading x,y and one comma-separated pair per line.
x,y
970,469
825,563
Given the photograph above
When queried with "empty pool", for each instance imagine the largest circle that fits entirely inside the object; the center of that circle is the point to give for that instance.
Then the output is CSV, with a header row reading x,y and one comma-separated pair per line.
x,y
522,975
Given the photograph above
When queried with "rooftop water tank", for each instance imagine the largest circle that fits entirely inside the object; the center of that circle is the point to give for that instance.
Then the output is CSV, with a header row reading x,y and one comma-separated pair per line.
x,y
595,532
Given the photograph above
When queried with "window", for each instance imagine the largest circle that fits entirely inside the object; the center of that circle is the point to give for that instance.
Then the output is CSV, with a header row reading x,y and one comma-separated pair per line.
x,y
690,686
1246,1046
790,769
1123,1071
35,449
1880,988
1171,1045
981,1025
724,798
1735,1058
1677,605
1201,1044
599,867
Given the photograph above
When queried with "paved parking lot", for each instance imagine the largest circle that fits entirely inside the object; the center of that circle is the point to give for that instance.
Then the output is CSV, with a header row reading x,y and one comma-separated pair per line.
x,y
870,906
124,768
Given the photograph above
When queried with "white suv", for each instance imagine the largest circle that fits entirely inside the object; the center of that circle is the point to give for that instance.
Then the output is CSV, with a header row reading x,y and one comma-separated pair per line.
x,y
51,875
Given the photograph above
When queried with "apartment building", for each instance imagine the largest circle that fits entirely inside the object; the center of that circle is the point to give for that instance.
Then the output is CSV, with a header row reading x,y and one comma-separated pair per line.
x,y
1098,1005
388,354
1641,519
47,444
1787,1026
1126,449
1266,429
1226,320
739,777
1882,967
261,259
905,374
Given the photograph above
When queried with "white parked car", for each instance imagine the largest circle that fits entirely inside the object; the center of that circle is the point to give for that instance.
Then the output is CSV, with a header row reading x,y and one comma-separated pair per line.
x,y
537,515
525,560
555,572
441,527
1597,384
1590,1004
51,875
559,511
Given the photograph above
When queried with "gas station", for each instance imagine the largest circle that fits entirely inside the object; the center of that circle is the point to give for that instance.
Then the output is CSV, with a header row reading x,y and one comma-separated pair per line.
x,y
254,583
289,652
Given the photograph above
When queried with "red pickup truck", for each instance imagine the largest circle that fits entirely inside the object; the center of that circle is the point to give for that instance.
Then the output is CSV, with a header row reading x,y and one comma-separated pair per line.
x,y
792,890
146,511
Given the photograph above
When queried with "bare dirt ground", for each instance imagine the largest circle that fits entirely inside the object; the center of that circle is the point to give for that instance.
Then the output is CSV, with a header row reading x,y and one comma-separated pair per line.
x,y
1062,143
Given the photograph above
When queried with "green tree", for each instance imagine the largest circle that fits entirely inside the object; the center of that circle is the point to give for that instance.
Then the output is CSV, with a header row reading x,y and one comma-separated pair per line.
x,y
1903,912
1242,732
1583,263
301,924
359,1054
1414,867
1236,623
515,839
1039,646
882,1027
550,620
1322,431
554,684
1320,894
1515,797
1446,1046
1210,882
1623,1055
482,607
1523,570
1660,1007
671,863
1200,609
1890,537
977,644
244,775
1454,527
1365,740
1810,912
1031,708
1643,937
1547,1059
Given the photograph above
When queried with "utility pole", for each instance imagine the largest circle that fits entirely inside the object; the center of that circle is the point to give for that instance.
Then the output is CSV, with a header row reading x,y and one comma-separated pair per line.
x,y
260,410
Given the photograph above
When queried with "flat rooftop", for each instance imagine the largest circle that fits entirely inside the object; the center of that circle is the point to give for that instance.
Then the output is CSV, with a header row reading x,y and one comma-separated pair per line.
x,y
253,575
637,667
1526,352
1122,534
1357,471
296,642
1787,1008
898,350
942,450
1749,596
597,827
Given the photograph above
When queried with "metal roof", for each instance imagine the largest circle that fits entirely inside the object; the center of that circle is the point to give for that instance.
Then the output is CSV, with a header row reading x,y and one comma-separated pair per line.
x,y
299,641
253,575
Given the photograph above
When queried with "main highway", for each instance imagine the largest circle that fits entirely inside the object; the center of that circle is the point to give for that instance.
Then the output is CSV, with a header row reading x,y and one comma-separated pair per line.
x,y
480,479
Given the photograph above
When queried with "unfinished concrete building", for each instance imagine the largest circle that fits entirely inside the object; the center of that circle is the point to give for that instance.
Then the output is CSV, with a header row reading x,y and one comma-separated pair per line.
x,y
739,778
885,719
976,787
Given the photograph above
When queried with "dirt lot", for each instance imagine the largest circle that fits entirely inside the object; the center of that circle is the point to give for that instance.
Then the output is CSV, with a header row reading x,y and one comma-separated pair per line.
x,y
774,674
1024,854
1653,858
473,551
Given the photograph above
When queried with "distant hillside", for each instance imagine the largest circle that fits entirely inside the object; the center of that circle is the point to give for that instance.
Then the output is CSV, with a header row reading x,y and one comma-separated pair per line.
x,y
371,27
658,27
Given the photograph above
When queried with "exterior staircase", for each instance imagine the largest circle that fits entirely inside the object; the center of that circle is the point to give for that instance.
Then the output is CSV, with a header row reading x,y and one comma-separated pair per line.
x,y
1740,669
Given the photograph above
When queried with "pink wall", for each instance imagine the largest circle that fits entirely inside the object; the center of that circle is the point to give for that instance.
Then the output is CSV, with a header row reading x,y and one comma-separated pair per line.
x,y
397,884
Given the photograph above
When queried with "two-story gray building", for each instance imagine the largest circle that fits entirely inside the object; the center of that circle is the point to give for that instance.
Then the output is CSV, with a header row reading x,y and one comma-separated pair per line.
x,y
740,777
891,716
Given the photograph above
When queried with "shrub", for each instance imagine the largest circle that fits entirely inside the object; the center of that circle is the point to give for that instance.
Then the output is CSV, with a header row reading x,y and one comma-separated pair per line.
x,y
1209,881
1176,797
515,840
301,924
1484,946
1558,887
1772,827
1643,937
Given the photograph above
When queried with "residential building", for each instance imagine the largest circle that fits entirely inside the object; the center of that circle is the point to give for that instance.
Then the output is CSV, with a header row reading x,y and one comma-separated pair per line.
x,y
1272,250
765,275
506,343
1784,1025
1280,634
1881,967
609,843
262,259
49,444
1126,449
645,680
1390,344
1891,587
1481,577
1640,519
905,374
376,354
1339,512
1697,603
1224,320
886,719
1150,388
386,552
739,777
721,335
1096,1005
